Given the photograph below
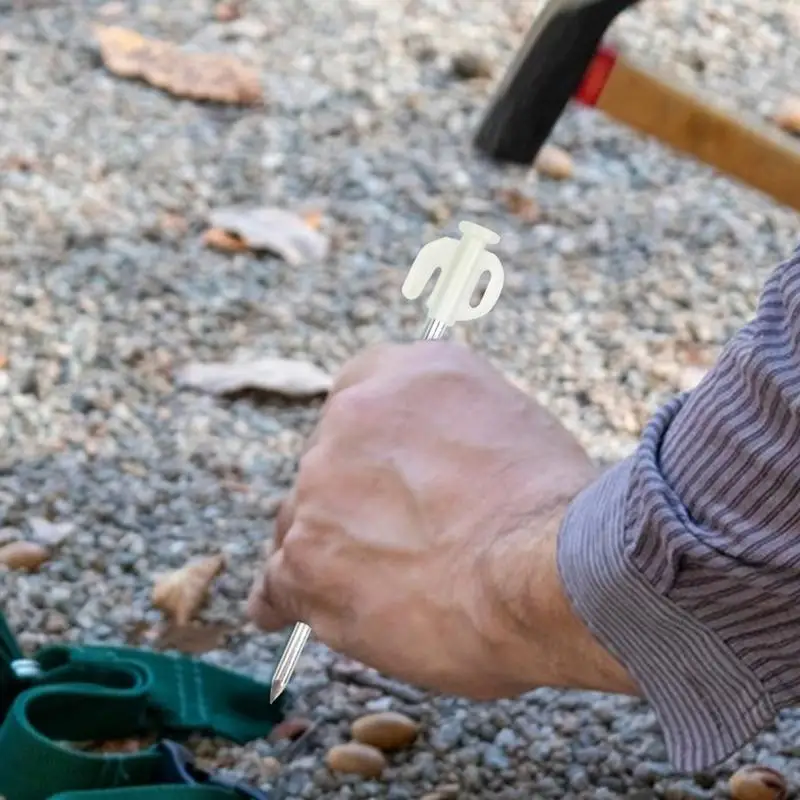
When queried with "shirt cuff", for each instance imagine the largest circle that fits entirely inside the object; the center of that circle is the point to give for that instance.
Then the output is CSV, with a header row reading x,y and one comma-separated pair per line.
x,y
707,702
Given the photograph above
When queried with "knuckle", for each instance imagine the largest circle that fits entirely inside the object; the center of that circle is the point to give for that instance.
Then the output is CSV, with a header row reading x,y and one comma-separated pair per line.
x,y
351,409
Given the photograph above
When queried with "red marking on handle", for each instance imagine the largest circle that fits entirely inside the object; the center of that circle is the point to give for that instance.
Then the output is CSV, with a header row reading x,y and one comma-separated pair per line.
x,y
596,76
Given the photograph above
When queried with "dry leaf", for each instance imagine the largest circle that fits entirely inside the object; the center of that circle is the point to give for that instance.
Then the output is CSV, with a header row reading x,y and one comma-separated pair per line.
x,y
272,230
23,555
3,361
218,239
787,117
50,534
137,633
520,205
214,77
553,162
181,593
290,729
279,375
194,639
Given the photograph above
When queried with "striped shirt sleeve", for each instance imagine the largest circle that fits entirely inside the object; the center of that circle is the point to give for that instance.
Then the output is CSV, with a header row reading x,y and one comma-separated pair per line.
x,y
684,559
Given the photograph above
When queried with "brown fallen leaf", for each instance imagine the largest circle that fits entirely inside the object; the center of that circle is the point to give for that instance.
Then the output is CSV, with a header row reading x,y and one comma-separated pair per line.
x,y
137,633
23,555
212,77
787,117
181,593
276,375
218,239
272,230
291,729
193,639
553,162
3,361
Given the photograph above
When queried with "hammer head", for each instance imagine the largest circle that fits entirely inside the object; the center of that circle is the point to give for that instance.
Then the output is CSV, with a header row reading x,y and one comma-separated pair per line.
x,y
543,77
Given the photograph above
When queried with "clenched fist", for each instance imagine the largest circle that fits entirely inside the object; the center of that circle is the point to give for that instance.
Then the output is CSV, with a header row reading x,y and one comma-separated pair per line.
x,y
420,535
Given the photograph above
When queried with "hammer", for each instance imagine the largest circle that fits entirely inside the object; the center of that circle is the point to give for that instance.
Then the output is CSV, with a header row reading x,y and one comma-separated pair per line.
x,y
564,58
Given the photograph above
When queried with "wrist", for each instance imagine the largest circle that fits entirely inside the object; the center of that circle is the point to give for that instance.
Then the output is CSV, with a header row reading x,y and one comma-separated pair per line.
x,y
543,641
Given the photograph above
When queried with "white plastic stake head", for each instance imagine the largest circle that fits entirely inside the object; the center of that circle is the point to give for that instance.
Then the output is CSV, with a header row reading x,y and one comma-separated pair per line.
x,y
462,263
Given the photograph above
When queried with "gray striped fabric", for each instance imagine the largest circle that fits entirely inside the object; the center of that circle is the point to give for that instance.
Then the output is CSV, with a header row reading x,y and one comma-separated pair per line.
x,y
684,559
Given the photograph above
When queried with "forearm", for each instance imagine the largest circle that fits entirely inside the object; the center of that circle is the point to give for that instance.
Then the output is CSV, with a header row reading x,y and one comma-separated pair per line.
x,y
685,559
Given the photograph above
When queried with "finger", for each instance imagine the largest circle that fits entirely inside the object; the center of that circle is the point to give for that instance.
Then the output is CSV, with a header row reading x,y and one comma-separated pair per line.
x,y
274,601
284,518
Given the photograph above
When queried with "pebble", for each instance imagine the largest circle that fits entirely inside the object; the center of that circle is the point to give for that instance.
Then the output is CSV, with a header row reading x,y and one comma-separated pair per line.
x,y
356,758
468,65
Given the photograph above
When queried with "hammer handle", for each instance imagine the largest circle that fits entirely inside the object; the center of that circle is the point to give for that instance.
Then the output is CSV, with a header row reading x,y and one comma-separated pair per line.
x,y
753,153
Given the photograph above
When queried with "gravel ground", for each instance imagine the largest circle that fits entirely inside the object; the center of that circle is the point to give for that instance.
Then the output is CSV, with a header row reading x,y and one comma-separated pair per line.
x,y
637,270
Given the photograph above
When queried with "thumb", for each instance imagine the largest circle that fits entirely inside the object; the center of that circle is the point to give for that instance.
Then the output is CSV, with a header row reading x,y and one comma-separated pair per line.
x,y
274,600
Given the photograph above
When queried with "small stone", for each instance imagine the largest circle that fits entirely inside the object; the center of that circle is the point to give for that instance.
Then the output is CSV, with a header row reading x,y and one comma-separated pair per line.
x,y
554,162
578,779
227,11
50,534
386,730
507,740
270,767
495,758
468,66
23,555
356,758
685,790
757,782
446,792
446,736
689,377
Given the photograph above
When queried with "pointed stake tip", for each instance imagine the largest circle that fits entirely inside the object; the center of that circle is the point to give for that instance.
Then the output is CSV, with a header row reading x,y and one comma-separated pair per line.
x,y
276,690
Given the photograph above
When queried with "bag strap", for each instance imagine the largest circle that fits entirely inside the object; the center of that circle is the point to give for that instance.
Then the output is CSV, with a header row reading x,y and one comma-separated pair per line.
x,y
72,694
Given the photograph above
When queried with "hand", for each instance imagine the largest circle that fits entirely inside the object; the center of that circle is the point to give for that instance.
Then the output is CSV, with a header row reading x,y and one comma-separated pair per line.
x,y
420,535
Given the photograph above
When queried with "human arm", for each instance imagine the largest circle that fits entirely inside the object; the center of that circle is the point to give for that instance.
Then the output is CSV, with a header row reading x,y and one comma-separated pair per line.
x,y
423,530
685,559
